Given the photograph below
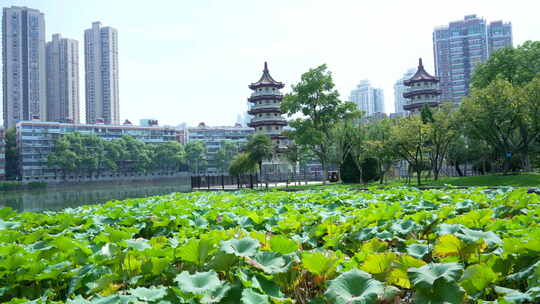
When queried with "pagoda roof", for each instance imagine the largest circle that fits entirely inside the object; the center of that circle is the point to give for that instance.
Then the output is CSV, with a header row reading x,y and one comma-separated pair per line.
x,y
266,80
420,75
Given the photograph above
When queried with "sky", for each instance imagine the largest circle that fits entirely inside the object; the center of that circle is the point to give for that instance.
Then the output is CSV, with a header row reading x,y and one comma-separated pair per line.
x,y
192,61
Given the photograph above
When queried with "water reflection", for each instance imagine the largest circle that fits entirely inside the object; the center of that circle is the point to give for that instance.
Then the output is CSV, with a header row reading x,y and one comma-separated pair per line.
x,y
73,196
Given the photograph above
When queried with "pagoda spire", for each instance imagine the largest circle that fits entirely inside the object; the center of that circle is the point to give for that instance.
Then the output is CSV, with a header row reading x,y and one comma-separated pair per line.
x,y
420,65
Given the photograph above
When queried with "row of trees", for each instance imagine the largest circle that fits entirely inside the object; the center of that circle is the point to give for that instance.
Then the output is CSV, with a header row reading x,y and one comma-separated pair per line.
x,y
498,126
90,155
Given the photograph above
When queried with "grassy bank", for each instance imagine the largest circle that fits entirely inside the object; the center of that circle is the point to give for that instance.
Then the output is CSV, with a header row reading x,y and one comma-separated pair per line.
x,y
489,180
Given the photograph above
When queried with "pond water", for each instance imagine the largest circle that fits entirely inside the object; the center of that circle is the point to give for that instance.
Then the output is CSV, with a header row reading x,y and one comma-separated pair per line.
x,y
76,195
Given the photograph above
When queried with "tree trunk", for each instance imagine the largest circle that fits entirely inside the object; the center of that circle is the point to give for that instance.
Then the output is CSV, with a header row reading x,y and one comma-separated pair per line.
x,y
418,176
458,169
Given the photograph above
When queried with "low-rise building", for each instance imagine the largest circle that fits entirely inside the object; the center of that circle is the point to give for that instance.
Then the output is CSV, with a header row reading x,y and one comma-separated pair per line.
x,y
35,140
214,137
2,155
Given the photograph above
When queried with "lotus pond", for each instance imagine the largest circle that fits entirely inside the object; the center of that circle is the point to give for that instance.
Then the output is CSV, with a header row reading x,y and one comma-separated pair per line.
x,y
332,245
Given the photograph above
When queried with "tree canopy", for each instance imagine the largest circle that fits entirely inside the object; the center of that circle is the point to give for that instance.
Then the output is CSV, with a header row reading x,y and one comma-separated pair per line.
x,y
317,101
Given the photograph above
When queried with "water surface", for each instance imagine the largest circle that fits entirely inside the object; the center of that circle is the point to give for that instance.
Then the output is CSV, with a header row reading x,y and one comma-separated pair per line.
x,y
76,195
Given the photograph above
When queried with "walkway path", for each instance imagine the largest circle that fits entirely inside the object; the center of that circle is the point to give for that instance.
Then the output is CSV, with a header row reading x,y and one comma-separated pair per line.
x,y
255,186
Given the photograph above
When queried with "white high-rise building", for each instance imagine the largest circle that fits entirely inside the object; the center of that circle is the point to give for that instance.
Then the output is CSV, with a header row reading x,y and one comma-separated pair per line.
x,y
23,58
63,80
399,89
370,100
101,74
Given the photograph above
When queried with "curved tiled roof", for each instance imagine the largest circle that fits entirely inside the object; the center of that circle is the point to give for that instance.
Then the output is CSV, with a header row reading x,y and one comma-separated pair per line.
x,y
420,75
266,80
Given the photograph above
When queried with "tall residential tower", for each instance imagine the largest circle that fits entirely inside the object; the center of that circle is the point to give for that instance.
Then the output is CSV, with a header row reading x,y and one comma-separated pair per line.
x,y
23,58
63,80
460,46
370,100
101,74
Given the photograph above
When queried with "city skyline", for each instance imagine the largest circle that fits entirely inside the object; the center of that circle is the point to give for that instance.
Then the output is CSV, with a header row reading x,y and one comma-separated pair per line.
x,y
165,76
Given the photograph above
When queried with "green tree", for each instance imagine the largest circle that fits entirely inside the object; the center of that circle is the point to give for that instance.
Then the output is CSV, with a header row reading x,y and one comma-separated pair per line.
x,y
168,156
445,128
378,146
196,155
12,154
259,148
316,99
63,158
136,156
225,155
408,139
507,117
348,139
242,164
518,66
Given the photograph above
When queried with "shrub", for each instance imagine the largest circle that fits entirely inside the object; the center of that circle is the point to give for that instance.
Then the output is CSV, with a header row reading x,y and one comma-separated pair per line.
x,y
349,171
370,170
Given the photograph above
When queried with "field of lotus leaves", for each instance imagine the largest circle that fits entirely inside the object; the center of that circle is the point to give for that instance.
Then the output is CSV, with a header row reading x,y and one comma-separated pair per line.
x,y
332,245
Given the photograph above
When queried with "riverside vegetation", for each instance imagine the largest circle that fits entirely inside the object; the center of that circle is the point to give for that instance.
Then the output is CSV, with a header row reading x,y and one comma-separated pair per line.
x,y
334,245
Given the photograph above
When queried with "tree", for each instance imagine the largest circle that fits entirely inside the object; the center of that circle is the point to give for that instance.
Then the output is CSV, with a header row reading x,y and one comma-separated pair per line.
x,y
136,155
507,117
12,154
408,139
443,131
63,158
379,147
348,141
242,164
349,171
225,154
196,155
168,156
316,99
518,66
259,148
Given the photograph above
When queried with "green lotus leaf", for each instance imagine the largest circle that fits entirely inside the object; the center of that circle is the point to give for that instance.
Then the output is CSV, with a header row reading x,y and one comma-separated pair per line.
x,y
426,275
195,251
271,262
283,245
418,250
148,294
354,287
442,292
249,296
138,244
320,263
513,295
448,245
198,283
405,227
9,225
245,247
216,295
477,278
378,262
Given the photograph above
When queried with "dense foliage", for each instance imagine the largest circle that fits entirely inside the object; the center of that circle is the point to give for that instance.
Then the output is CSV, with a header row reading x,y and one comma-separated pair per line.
x,y
330,246
89,154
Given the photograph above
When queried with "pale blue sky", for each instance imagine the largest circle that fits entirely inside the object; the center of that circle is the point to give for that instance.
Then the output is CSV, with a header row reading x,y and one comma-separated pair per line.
x,y
191,61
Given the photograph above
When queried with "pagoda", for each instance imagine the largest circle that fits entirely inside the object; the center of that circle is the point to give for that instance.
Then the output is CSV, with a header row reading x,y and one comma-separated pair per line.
x,y
422,89
265,107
